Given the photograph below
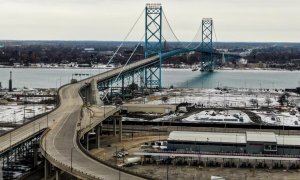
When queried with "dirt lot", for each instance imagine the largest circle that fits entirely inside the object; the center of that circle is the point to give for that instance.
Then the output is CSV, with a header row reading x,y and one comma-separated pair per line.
x,y
193,173
185,172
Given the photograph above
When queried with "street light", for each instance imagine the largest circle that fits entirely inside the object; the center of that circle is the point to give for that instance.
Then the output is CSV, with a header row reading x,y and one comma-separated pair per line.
x,y
10,139
46,145
283,134
47,121
72,158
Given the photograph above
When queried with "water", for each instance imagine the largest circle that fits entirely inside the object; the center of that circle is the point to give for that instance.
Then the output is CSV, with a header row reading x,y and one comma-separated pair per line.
x,y
232,78
52,78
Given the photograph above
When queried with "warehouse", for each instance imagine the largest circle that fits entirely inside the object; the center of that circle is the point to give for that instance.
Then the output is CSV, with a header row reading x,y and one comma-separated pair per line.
x,y
249,142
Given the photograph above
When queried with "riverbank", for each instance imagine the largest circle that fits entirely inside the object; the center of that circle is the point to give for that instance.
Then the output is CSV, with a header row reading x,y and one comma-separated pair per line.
x,y
167,68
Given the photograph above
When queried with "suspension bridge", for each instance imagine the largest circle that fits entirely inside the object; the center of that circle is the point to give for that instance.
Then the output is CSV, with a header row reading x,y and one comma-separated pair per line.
x,y
61,133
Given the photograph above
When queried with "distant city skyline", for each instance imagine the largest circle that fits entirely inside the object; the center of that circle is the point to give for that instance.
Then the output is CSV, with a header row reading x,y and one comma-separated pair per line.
x,y
106,20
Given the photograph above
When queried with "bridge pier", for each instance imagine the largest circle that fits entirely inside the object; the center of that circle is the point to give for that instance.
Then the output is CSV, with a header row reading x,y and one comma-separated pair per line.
x,y
57,174
98,134
94,94
87,139
120,128
46,169
35,156
115,126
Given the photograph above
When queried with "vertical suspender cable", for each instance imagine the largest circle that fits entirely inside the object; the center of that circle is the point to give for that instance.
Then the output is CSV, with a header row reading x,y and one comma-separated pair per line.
x,y
126,63
113,56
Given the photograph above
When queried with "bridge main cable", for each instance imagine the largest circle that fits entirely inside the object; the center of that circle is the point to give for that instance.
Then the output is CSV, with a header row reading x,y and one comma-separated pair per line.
x,y
126,63
127,35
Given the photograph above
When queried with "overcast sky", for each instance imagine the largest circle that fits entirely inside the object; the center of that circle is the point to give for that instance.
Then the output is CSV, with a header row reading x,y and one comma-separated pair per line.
x,y
235,20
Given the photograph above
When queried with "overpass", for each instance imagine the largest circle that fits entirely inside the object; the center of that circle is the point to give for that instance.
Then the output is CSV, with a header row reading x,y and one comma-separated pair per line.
x,y
71,121
62,123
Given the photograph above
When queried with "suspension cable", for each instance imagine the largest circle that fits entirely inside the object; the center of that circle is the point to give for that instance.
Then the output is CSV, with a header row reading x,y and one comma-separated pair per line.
x,y
215,33
194,39
165,17
126,63
113,56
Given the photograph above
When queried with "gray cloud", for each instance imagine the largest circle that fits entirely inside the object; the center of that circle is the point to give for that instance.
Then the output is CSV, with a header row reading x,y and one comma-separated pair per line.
x,y
235,20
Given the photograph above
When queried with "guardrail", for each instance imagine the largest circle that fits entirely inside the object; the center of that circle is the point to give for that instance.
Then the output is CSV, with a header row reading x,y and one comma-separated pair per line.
x,y
76,172
211,124
64,166
216,153
22,141
108,164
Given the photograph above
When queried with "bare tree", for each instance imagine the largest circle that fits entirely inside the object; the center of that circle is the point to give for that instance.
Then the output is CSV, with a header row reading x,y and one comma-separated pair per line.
x,y
268,101
253,102
165,99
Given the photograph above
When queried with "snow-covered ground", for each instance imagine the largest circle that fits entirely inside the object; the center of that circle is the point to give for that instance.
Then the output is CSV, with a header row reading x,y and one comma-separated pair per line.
x,y
230,116
15,113
239,97
283,118
218,98
164,118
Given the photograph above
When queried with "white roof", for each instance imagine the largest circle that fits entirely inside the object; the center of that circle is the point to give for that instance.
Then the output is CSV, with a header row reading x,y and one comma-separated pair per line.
x,y
207,137
261,136
291,140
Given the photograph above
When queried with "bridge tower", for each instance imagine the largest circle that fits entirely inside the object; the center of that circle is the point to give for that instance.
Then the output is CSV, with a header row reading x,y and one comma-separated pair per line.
x,y
153,43
207,47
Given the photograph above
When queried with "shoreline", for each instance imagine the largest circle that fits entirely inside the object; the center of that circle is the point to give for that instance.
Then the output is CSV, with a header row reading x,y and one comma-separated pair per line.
x,y
164,68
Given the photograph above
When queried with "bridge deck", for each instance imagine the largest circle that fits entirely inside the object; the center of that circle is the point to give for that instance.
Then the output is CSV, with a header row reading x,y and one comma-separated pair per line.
x,y
61,137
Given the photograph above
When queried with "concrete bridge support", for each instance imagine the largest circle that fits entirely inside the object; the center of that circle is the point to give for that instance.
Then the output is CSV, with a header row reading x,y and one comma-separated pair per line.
x,y
46,170
120,129
35,156
57,174
98,134
115,126
87,139
94,98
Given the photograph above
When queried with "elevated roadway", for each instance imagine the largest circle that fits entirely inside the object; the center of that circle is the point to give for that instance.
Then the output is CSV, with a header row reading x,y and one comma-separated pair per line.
x,y
63,124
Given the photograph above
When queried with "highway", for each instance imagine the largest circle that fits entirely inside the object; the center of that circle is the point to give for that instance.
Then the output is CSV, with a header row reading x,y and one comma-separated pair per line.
x,y
60,138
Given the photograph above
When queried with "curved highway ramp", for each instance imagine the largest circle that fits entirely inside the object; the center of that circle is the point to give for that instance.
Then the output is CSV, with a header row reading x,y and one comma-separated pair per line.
x,y
60,140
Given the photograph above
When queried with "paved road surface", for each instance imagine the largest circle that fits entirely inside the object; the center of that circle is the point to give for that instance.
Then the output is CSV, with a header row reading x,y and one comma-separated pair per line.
x,y
61,138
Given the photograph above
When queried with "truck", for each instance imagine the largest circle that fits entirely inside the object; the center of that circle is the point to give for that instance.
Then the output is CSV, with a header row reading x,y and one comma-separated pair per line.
x,y
132,160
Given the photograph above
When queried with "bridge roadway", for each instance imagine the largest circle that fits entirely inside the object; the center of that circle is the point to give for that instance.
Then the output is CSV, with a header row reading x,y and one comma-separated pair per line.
x,y
62,124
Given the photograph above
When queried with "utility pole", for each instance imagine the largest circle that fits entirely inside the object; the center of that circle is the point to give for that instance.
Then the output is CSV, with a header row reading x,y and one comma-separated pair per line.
x,y
167,171
72,159
10,140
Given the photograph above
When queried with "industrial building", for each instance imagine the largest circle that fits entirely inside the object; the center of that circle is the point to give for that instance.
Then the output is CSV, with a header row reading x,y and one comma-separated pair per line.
x,y
248,143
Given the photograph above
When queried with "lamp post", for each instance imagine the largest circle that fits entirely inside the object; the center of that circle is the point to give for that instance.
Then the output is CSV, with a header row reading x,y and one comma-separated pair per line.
x,y
283,134
46,145
72,158
47,121
236,143
10,139
167,170
103,109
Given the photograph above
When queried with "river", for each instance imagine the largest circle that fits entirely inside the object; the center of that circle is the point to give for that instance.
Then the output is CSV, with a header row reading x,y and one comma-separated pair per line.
x,y
52,78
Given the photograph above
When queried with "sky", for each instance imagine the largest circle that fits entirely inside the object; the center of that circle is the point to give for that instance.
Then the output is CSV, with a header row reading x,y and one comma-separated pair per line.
x,y
110,20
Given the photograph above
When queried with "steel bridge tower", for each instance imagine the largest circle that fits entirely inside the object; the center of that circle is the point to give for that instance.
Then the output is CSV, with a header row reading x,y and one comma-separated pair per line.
x,y
207,46
153,43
